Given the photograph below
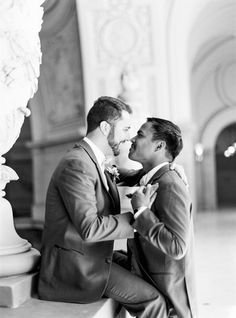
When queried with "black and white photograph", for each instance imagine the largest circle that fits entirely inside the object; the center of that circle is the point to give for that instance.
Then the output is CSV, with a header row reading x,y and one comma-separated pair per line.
x,y
118,158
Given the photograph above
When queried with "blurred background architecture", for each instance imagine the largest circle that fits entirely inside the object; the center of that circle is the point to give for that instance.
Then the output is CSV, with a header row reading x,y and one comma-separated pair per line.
x,y
174,59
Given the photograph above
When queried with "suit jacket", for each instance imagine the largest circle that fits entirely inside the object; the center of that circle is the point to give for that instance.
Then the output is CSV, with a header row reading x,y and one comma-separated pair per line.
x,y
81,221
162,250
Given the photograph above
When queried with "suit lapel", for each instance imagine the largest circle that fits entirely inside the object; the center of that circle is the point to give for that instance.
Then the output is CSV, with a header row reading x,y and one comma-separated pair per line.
x,y
159,173
89,151
113,193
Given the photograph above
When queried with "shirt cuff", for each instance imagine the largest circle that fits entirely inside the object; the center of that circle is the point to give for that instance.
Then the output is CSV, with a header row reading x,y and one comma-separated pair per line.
x,y
139,211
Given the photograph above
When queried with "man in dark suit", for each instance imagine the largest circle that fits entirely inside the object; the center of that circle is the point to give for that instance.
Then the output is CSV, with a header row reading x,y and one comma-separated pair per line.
x,y
83,219
162,250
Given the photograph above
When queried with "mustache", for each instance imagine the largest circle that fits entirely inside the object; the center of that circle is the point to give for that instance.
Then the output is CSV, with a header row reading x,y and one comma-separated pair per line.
x,y
113,144
132,145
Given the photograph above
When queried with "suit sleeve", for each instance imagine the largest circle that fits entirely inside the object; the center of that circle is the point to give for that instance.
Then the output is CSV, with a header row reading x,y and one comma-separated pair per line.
x,y
129,177
76,184
167,225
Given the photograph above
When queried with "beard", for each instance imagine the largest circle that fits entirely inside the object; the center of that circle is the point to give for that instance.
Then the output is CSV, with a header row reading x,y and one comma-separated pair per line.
x,y
114,145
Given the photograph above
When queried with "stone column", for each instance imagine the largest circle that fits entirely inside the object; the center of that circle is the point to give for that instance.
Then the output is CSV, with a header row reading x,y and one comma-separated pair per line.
x,y
20,57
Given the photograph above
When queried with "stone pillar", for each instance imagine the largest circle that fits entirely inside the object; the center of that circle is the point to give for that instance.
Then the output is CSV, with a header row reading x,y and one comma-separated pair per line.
x,y
20,57
209,180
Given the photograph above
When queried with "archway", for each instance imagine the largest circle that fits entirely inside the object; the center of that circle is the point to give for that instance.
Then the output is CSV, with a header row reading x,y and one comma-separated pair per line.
x,y
226,168
207,168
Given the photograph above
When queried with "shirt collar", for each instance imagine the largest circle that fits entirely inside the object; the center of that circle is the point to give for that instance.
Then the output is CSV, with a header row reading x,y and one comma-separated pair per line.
x,y
97,152
145,179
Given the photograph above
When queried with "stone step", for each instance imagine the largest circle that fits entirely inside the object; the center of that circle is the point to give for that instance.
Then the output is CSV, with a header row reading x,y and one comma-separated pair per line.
x,y
36,308
15,290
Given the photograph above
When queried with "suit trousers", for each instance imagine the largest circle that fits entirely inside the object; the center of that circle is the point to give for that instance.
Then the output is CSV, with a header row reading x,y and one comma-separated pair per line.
x,y
137,296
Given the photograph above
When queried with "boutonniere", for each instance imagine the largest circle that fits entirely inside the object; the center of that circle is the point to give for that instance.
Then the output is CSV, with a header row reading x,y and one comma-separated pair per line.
x,y
113,171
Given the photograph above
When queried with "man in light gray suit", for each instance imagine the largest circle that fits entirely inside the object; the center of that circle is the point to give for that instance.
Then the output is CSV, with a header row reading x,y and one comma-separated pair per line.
x,y
83,219
162,250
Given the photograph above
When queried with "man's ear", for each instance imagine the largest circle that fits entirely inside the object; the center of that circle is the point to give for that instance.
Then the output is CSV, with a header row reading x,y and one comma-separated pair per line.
x,y
105,128
160,145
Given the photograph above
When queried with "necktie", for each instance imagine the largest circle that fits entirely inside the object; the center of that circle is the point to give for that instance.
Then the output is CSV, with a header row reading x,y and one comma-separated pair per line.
x,y
113,190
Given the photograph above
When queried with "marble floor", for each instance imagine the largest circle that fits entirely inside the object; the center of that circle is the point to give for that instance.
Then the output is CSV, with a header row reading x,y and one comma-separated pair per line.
x,y
216,263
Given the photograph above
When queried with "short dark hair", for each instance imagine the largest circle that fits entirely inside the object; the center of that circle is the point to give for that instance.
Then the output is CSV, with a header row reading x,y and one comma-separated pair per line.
x,y
105,108
169,132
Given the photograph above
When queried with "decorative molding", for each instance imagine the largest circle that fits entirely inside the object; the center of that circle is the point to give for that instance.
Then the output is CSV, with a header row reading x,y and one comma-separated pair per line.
x,y
122,31
209,48
225,83
116,36
217,122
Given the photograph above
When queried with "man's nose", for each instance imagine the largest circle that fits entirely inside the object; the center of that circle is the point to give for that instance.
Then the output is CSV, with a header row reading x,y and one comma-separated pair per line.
x,y
133,139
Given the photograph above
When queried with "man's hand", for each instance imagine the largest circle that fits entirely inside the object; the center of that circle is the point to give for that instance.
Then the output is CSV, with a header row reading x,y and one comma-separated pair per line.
x,y
144,196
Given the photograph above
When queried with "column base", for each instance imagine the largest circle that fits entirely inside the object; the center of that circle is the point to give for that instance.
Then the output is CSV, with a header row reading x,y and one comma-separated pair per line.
x,y
17,264
15,290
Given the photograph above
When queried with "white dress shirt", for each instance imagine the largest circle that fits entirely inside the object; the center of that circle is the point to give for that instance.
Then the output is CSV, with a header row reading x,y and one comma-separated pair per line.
x,y
99,156
144,181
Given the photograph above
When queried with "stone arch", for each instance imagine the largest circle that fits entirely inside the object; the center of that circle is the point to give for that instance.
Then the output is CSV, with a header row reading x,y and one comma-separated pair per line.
x,y
208,166
193,30
216,125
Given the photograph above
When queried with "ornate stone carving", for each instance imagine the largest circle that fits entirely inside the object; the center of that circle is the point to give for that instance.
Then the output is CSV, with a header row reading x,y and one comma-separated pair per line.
x,y
123,33
20,57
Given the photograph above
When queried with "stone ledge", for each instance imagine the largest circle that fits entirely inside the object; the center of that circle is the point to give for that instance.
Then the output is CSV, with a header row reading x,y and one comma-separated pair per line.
x,y
36,308
15,290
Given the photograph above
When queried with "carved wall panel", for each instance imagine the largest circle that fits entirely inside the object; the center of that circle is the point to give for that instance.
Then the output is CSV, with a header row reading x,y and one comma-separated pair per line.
x,y
117,40
123,34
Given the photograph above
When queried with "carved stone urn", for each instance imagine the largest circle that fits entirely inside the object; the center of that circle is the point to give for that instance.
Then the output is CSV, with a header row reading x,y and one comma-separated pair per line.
x,y
20,58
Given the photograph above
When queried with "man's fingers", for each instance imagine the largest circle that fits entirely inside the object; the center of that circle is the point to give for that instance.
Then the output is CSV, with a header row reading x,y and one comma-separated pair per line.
x,y
153,197
147,190
140,189
155,186
151,188
180,171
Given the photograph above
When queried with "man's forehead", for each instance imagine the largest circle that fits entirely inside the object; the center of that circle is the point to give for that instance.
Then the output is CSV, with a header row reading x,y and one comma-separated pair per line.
x,y
124,120
146,127
125,115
